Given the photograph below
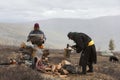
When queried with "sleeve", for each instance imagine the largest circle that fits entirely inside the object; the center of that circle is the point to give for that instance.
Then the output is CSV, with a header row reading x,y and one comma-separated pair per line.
x,y
79,44
29,36
43,35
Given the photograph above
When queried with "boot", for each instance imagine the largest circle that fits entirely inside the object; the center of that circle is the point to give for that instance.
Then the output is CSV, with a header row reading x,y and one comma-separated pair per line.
x,y
83,70
90,68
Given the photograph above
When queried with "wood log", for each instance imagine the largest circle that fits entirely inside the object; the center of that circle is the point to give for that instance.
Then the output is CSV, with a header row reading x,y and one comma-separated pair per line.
x,y
65,62
48,69
54,68
62,76
59,66
65,71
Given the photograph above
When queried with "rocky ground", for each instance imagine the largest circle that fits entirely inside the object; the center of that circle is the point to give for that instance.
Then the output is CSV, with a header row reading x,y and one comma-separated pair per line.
x,y
103,70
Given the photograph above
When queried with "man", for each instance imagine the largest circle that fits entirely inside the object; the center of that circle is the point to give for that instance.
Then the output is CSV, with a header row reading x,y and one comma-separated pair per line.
x,y
36,36
85,45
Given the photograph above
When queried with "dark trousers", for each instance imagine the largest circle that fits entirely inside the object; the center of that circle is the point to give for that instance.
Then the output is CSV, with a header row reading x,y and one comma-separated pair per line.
x,y
86,60
84,68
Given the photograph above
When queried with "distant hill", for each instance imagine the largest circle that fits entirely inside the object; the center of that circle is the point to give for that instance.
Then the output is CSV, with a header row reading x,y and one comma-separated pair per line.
x,y
12,33
100,29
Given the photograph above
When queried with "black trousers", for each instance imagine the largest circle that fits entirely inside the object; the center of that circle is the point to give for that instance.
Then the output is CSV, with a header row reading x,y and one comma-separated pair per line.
x,y
85,61
84,68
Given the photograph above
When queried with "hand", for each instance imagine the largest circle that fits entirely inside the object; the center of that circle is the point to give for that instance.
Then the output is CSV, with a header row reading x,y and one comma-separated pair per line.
x,y
28,40
78,51
43,42
73,47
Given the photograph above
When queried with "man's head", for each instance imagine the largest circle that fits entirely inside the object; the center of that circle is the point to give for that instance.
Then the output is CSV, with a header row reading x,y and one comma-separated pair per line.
x,y
70,35
36,26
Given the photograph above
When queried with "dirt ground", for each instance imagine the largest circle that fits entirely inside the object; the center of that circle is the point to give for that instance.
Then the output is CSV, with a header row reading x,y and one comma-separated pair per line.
x,y
103,70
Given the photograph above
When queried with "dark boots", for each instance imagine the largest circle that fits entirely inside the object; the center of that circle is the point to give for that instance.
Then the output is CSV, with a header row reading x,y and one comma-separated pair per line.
x,y
84,69
90,68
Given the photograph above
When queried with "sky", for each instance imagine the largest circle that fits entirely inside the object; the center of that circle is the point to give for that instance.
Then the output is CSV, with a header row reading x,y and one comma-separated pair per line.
x,y
32,10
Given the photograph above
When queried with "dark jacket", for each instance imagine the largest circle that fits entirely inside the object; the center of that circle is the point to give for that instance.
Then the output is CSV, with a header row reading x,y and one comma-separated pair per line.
x,y
36,40
88,53
37,32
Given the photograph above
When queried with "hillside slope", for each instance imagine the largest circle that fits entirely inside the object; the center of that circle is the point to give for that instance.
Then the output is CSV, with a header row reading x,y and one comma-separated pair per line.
x,y
100,29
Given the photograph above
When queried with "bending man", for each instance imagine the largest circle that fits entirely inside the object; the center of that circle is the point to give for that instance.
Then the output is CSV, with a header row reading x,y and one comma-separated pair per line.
x,y
85,45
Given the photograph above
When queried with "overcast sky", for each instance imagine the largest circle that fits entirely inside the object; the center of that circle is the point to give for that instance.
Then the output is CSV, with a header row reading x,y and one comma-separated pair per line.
x,y
31,10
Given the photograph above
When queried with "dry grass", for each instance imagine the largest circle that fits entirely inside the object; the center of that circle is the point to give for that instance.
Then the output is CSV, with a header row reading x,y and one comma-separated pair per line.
x,y
18,73
104,70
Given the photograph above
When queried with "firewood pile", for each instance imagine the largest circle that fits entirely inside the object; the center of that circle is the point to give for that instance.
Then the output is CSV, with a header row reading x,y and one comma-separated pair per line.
x,y
61,69
43,64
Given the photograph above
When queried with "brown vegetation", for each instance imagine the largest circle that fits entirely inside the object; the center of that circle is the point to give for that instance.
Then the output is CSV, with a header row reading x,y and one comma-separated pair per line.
x,y
103,70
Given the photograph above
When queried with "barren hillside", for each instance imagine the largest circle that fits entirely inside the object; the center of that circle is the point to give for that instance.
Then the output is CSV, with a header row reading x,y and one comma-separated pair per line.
x,y
101,30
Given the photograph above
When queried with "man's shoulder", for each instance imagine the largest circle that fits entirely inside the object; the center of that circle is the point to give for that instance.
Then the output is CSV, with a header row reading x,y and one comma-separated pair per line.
x,y
82,34
40,31
32,31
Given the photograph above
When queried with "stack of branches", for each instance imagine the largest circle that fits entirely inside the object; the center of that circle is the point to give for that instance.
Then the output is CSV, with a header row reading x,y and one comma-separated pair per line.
x,y
61,69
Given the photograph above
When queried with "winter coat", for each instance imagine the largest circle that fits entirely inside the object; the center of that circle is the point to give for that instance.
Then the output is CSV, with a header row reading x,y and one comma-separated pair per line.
x,y
88,53
37,32
36,40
